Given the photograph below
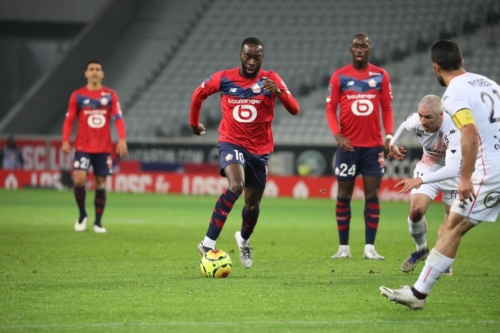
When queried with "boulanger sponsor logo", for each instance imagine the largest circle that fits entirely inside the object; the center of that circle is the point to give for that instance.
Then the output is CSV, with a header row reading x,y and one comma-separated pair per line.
x,y
244,101
361,96
492,199
310,163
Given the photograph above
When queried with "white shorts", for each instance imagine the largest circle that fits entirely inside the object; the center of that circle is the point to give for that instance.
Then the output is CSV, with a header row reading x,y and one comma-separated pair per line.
x,y
486,206
448,186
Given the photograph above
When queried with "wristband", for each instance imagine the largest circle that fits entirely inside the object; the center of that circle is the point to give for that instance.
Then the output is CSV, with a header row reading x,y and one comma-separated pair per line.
x,y
389,136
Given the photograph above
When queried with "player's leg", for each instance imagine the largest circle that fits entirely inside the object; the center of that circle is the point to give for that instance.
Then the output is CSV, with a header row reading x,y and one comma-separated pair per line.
x,y
419,202
345,172
438,262
255,183
250,216
103,167
371,167
443,254
99,202
80,170
232,167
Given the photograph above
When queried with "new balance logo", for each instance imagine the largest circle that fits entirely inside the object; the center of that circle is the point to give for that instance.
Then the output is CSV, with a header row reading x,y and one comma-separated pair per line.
x,y
350,83
233,90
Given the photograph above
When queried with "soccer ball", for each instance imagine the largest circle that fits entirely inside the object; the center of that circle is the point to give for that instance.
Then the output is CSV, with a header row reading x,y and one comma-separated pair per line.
x,y
216,264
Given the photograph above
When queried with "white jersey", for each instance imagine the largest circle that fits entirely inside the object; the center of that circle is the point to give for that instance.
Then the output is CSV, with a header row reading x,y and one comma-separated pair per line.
x,y
440,163
481,96
435,145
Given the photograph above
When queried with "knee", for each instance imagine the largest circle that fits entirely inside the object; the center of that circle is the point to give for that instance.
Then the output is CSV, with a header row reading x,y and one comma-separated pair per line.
x,y
252,208
343,194
371,194
416,214
79,181
237,187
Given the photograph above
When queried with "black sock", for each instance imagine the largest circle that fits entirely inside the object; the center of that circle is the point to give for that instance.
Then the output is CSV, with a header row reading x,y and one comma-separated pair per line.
x,y
418,294
99,203
79,192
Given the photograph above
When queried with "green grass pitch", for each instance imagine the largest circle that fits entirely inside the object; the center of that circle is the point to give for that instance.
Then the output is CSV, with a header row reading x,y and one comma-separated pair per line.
x,y
143,275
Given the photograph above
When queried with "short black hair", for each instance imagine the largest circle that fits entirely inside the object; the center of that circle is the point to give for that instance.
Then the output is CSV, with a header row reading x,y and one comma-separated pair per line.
x,y
362,34
252,40
446,53
93,62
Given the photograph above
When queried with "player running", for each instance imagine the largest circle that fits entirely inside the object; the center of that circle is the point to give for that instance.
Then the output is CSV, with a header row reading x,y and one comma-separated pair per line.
x,y
473,102
362,89
94,105
436,172
247,96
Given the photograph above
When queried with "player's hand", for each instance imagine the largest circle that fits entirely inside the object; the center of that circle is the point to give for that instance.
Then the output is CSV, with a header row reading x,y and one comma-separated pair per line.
x,y
409,184
270,85
396,152
387,146
466,190
198,129
121,148
66,147
344,143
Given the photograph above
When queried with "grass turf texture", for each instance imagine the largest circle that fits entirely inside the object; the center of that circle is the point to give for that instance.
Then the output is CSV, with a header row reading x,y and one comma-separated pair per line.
x,y
143,275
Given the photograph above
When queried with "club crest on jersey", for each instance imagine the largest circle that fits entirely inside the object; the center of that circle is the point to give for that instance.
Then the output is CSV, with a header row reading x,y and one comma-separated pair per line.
x,y
104,101
256,88
229,157
372,83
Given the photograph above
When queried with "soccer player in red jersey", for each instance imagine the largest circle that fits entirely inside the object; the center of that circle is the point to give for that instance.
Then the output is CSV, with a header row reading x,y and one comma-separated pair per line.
x,y
247,96
362,89
94,105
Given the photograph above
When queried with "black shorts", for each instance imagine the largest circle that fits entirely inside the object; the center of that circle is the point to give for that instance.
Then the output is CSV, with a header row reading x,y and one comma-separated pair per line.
x,y
366,161
101,163
255,165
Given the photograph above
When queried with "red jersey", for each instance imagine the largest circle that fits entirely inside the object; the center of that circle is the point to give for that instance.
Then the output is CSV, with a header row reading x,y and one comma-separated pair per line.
x,y
361,93
247,109
94,109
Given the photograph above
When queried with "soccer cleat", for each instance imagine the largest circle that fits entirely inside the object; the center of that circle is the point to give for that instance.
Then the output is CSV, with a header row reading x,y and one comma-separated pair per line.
x,y
412,262
448,272
99,229
403,296
245,253
81,226
343,253
203,249
372,254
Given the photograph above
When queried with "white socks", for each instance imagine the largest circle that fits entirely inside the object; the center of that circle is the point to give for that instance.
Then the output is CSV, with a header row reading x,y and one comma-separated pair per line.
x,y
434,267
418,231
241,240
369,247
207,242
344,248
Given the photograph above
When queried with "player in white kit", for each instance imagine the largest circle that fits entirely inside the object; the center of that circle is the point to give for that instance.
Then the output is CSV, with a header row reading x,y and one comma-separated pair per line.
x,y
437,171
473,102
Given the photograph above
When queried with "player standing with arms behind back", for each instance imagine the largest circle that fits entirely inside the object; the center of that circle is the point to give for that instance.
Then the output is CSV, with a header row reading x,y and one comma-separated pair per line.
x,y
247,96
94,105
362,89
473,102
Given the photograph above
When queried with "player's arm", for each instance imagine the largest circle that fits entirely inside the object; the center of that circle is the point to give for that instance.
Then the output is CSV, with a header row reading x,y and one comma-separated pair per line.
x,y
68,123
116,113
470,147
332,101
462,117
386,104
276,85
394,150
208,87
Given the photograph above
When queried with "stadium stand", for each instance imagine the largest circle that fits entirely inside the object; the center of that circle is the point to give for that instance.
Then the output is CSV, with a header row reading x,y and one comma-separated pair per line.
x,y
167,47
308,40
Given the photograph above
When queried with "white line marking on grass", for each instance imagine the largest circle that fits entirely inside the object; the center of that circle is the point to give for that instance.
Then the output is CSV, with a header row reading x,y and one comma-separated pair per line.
x,y
277,323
